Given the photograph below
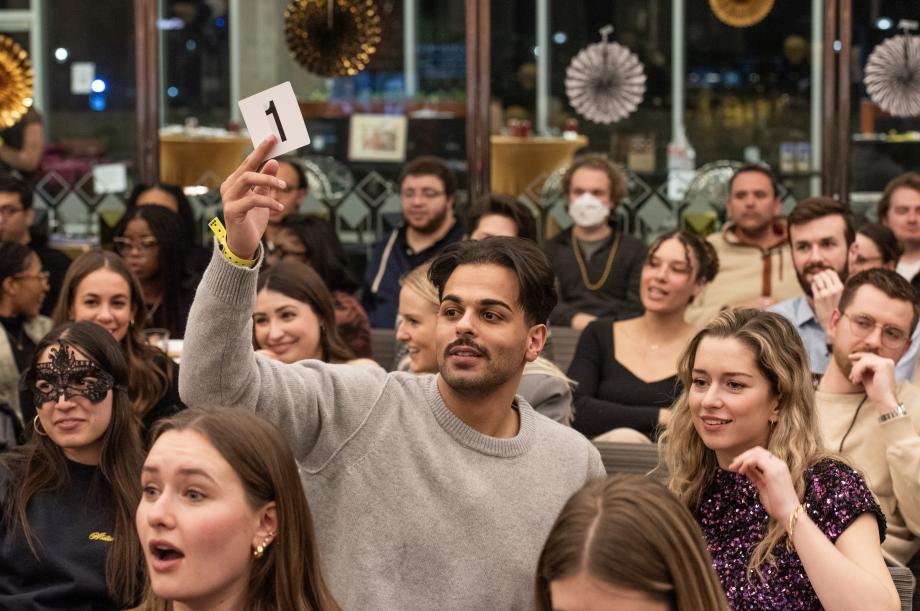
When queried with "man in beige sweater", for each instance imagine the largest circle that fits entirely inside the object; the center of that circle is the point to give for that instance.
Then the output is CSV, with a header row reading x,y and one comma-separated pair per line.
x,y
863,413
755,264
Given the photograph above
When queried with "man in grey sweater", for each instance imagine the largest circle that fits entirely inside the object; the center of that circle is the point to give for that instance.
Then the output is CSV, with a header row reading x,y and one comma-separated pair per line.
x,y
426,491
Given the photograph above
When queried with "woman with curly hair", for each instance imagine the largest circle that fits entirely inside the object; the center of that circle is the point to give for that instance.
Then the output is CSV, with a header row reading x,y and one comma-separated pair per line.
x,y
788,525
625,371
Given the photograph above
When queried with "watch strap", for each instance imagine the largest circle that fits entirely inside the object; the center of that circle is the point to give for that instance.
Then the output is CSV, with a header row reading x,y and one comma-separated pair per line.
x,y
897,412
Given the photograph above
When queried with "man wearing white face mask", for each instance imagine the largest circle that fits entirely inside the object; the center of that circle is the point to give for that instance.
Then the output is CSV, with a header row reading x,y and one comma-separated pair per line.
x,y
597,264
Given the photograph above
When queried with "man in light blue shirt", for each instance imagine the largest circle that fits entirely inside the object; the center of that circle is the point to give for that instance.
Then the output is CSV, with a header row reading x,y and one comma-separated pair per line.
x,y
821,233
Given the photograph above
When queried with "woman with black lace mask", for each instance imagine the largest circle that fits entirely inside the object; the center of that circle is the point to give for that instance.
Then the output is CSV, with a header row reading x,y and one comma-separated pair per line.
x,y
68,495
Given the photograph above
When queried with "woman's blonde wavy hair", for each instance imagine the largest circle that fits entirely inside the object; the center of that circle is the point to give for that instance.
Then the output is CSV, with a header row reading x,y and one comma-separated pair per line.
x,y
795,438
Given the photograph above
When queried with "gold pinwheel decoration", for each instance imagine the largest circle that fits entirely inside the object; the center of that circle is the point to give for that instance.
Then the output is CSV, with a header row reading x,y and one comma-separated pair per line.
x,y
15,82
741,13
332,37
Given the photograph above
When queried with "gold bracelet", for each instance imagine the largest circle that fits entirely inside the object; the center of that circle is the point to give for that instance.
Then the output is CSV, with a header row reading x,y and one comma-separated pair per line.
x,y
794,519
220,232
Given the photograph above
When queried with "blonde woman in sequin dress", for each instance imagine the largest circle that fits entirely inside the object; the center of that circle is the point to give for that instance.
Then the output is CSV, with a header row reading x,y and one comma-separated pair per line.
x,y
788,526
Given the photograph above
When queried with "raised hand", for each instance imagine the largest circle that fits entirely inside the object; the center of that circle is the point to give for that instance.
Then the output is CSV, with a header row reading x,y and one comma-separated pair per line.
x,y
770,475
876,374
826,288
247,199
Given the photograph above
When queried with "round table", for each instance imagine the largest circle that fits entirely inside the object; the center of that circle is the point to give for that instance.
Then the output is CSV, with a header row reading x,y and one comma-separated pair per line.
x,y
197,160
517,162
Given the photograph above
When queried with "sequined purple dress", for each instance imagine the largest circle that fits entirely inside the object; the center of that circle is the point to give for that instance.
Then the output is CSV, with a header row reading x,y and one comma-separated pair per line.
x,y
733,522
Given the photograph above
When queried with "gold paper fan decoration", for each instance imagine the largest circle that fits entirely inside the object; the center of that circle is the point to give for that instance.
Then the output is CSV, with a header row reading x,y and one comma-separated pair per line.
x,y
332,37
15,82
741,13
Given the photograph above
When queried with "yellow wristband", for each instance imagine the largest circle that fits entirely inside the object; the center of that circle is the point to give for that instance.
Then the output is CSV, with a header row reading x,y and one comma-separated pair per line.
x,y
220,232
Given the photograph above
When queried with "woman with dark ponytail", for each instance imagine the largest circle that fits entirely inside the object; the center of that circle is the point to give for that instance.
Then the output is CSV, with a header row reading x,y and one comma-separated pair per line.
x,y
626,371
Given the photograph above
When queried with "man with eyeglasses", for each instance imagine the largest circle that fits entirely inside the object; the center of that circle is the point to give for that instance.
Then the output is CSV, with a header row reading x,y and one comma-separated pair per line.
x,y
291,196
427,188
863,412
16,218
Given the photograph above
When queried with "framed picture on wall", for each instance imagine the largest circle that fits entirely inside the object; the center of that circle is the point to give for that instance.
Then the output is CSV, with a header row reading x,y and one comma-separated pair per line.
x,y
377,138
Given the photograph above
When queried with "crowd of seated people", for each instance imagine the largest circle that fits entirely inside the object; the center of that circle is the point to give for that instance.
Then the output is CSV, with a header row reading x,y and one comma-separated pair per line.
x,y
482,478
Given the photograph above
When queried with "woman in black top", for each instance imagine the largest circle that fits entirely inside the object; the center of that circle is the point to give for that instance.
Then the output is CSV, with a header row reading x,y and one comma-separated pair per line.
x,y
626,371
68,495
23,285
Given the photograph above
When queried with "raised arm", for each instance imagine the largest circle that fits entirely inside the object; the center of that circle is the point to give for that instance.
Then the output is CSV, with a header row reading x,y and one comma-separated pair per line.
x,y
219,365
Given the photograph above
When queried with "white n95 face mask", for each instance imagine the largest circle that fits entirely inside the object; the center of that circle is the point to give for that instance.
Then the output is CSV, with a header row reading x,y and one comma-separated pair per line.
x,y
588,211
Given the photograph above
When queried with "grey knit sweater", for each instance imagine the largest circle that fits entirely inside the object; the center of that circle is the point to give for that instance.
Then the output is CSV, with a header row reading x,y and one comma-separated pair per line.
x,y
412,508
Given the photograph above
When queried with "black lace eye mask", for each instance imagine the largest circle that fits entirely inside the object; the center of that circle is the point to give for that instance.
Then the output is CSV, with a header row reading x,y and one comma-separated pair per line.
x,y
65,375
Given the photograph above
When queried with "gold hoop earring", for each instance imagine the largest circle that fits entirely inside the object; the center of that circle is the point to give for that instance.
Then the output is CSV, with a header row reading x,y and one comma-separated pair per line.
x,y
36,424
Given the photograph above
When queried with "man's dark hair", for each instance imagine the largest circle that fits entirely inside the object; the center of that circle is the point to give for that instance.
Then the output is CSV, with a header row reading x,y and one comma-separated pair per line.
x,y
12,184
814,208
507,206
884,239
760,169
889,282
433,166
908,180
536,281
596,161
298,170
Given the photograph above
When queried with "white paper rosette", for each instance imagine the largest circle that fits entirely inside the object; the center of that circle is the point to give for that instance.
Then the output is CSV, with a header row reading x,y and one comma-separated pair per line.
x,y
893,76
605,82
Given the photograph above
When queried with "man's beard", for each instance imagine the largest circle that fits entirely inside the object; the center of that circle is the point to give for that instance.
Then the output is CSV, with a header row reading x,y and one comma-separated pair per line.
x,y
754,232
842,359
434,224
495,375
814,269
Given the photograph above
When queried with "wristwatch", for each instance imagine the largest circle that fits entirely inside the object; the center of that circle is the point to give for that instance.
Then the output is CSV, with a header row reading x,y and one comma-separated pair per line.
x,y
895,413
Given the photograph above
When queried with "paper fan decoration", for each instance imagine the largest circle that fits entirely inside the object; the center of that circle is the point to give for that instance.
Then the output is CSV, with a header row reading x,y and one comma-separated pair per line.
x,y
741,13
605,82
332,37
893,76
15,82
